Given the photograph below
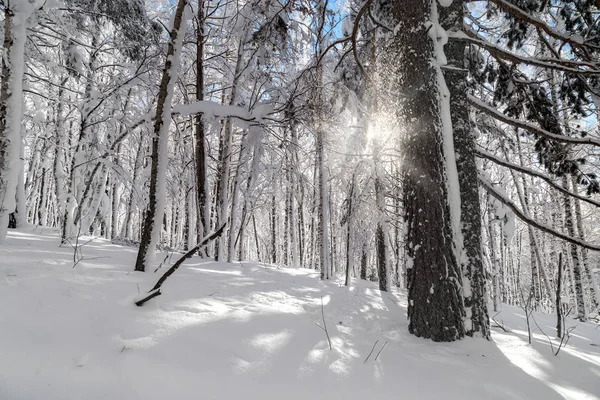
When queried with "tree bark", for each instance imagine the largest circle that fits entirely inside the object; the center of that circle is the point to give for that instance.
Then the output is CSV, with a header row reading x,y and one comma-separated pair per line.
x,y
156,198
435,303
577,267
473,272
11,98
200,150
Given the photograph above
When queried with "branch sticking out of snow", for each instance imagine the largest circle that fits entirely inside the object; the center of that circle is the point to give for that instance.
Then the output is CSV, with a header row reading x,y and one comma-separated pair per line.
x,y
155,291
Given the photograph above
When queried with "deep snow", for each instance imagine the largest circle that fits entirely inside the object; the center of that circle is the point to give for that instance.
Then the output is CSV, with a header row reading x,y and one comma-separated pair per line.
x,y
244,330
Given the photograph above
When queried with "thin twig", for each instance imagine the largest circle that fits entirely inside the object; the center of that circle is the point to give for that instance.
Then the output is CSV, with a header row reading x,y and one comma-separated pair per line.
x,y
385,344
373,348
325,324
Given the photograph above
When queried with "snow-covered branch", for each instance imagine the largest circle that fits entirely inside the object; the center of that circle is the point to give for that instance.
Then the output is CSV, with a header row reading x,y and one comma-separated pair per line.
x,y
528,220
497,160
481,106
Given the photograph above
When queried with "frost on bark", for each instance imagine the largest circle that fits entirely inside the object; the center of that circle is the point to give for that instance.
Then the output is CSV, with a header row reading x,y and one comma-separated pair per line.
x,y
471,262
156,197
435,308
11,93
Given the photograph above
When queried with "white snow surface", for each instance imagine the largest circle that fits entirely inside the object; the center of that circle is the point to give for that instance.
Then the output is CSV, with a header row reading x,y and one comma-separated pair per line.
x,y
247,330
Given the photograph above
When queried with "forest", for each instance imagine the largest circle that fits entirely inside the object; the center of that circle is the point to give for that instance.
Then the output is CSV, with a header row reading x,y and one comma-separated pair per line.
x,y
444,149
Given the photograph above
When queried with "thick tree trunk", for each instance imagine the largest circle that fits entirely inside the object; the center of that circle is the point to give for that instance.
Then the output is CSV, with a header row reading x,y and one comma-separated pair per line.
x,y
11,98
435,299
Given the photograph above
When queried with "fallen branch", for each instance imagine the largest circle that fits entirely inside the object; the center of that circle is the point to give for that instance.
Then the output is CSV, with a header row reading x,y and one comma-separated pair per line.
x,y
155,291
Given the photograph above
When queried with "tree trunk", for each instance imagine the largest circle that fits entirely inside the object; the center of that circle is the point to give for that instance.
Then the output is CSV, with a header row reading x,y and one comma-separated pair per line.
x,y
156,198
381,236
558,299
577,267
11,98
435,303
593,285
471,262
201,183
225,160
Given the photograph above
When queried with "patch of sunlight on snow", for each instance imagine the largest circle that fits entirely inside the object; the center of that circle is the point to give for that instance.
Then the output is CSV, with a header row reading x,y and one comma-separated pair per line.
x,y
573,393
277,302
521,354
316,355
216,271
378,373
29,236
271,342
340,367
591,358
579,337
531,362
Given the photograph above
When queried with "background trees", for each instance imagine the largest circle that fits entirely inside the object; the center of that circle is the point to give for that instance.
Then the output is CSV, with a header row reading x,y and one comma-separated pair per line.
x,y
319,135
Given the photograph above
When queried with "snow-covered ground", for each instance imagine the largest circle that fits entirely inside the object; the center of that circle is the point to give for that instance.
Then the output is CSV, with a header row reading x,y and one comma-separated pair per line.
x,y
229,331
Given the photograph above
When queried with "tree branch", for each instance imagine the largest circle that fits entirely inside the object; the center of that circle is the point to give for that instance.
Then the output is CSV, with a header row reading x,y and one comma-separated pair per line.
x,y
483,154
528,220
480,105
155,291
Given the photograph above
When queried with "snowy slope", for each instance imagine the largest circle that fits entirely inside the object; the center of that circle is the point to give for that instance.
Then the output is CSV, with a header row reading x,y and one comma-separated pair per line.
x,y
229,331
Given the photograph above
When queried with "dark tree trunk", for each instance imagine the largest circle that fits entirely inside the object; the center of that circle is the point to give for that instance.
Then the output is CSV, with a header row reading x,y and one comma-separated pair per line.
x,y
475,296
577,267
559,328
435,304
163,94
349,228
203,224
273,230
381,259
363,262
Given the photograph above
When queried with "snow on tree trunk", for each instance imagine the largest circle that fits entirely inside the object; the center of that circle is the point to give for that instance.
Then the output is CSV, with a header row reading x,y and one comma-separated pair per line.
x,y
577,267
592,283
473,272
225,161
435,303
323,234
16,15
231,239
156,199
203,226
